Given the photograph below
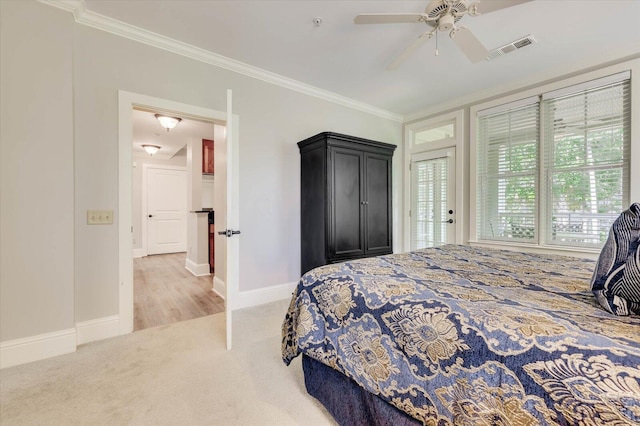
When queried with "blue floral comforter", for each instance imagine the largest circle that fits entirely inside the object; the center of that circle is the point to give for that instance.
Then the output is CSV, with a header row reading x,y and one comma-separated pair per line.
x,y
466,335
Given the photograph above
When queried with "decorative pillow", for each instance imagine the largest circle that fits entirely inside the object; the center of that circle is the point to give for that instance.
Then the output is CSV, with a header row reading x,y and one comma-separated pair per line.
x,y
616,280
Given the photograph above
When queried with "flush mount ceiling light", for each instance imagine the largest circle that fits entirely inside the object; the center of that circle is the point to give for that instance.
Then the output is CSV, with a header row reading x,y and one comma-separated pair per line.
x,y
168,122
151,149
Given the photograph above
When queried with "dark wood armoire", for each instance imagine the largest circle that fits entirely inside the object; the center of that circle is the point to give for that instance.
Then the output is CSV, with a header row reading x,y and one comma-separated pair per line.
x,y
345,199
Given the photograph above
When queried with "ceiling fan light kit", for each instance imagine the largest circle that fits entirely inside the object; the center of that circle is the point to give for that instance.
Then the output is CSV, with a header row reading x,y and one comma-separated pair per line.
x,y
446,22
442,15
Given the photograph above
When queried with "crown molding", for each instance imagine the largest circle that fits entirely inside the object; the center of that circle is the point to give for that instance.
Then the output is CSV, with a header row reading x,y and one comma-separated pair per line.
x,y
122,29
546,77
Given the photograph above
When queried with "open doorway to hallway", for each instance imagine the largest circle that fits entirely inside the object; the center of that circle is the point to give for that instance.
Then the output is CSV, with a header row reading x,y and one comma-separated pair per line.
x,y
165,292
172,191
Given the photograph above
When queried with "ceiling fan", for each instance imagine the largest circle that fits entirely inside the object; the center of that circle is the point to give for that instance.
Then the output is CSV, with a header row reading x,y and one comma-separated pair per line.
x,y
441,15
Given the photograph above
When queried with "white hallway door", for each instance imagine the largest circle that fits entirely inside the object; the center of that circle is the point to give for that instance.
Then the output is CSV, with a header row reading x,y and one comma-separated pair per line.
x,y
166,210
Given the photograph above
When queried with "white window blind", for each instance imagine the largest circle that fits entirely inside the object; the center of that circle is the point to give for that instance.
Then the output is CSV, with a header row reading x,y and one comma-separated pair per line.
x,y
554,169
508,173
587,135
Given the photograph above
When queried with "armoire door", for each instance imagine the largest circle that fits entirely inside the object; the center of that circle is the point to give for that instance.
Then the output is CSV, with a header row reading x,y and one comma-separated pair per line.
x,y
377,203
346,237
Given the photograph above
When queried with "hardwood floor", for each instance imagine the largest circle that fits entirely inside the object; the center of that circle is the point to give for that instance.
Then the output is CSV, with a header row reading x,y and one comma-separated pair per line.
x,y
165,292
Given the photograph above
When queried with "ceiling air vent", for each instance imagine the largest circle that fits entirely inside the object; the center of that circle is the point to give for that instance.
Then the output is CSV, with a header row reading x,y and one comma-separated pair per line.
x,y
508,48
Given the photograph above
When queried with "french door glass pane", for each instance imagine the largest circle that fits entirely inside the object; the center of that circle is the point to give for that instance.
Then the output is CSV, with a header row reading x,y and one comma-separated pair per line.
x,y
429,208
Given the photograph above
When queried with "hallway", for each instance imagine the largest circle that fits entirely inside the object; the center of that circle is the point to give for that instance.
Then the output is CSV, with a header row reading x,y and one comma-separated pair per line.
x,y
165,292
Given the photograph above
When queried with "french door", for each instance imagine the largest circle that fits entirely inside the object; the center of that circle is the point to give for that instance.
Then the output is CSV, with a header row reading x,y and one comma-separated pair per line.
x,y
433,198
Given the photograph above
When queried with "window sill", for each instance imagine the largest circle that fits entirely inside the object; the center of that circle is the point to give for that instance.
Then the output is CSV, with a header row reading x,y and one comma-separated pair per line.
x,y
585,253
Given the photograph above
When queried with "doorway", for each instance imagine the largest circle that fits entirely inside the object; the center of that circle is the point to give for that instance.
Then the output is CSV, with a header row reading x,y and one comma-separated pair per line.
x,y
435,175
433,203
171,279
127,103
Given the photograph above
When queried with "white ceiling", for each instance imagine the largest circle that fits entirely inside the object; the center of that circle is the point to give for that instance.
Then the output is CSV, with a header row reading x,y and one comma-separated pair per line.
x,y
350,60
147,130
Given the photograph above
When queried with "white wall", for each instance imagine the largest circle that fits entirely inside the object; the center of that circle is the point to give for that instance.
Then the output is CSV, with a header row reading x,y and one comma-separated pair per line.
x,y
272,120
37,172
60,118
208,191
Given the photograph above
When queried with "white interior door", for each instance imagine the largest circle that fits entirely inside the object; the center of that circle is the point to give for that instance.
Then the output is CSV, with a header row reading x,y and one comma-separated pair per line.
x,y
433,198
231,231
166,210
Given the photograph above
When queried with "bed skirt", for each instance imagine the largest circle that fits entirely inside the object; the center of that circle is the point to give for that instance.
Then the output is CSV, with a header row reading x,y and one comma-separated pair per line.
x,y
348,403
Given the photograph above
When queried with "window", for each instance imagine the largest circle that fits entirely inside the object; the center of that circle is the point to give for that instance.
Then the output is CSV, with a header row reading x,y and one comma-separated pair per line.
x,y
439,133
554,169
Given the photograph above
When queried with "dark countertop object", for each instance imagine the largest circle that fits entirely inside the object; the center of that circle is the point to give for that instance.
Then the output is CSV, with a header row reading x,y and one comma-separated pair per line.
x,y
208,211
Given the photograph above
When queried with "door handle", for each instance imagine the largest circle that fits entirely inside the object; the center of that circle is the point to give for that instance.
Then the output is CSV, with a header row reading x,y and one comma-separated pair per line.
x,y
447,221
150,215
228,233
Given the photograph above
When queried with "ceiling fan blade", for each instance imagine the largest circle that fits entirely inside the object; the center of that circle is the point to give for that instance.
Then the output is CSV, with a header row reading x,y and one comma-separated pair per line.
x,y
409,50
390,18
487,6
469,44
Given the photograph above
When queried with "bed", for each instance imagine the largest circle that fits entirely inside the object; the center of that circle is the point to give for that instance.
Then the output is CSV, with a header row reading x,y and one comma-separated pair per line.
x,y
463,335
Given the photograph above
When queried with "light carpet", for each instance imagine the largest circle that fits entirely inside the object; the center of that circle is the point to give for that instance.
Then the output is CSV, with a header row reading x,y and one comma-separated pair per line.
x,y
178,374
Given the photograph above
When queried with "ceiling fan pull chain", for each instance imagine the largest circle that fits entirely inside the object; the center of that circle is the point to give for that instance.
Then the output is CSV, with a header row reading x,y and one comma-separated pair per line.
x,y
437,43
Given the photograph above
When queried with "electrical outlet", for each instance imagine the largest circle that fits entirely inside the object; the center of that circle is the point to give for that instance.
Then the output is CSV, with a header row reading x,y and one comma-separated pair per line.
x,y
99,217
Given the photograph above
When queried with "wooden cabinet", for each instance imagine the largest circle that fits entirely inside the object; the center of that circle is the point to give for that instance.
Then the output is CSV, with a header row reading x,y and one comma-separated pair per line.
x,y
207,156
345,199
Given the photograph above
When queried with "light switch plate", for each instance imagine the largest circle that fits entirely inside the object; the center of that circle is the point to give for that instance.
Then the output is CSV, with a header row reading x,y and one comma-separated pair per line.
x,y
99,217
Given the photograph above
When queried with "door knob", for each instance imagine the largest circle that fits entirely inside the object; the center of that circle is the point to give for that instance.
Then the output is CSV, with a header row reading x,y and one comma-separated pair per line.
x,y
450,211
150,215
228,233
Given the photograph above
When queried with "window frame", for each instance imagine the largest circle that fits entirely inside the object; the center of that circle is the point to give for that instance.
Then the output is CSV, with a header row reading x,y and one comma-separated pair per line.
x,y
571,84
410,148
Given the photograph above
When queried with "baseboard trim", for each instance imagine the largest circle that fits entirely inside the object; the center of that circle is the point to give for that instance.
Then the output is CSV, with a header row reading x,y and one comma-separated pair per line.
x,y
35,348
139,253
219,287
97,329
197,269
247,299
